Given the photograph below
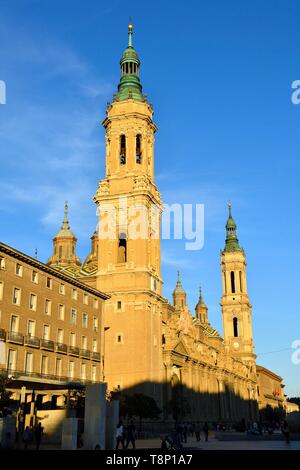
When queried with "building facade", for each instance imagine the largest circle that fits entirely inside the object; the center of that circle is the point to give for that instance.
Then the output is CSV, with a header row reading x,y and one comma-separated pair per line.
x,y
151,345
51,325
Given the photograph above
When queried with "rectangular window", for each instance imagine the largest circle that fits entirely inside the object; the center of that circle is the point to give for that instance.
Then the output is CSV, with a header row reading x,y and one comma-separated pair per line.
x,y
73,315
28,362
71,369
48,307
94,373
32,301
83,371
83,342
46,332
34,277
49,282
12,359
95,324
62,289
19,269
119,304
74,294
94,345
2,262
31,328
73,340
1,290
84,320
60,336
16,300
96,303
44,365
14,324
61,312
58,367
85,299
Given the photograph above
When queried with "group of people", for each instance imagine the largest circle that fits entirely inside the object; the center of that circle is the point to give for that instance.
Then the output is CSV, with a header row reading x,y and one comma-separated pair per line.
x,y
125,435
180,434
29,434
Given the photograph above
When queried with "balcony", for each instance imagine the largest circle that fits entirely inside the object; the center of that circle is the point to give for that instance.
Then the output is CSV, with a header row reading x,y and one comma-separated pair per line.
x,y
14,337
2,334
73,351
32,341
47,344
61,348
95,356
85,353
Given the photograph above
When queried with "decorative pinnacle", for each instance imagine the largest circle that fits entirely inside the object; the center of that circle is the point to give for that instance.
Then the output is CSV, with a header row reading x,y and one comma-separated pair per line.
x,y
65,224
229,208
130,28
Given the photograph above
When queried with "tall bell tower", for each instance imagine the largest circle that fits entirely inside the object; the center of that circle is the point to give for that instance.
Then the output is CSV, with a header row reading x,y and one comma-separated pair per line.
x,y
235,303
129,209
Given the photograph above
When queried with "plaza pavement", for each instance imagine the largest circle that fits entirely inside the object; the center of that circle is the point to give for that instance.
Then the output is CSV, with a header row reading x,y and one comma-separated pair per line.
x,y
215,444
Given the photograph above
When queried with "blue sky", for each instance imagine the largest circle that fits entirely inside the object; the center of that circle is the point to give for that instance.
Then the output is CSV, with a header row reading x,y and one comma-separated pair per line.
x,y
219,75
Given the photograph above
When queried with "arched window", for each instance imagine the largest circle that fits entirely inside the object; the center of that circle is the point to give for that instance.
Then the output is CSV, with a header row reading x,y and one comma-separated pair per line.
x,y
138,152
241,282
122,248
232,282
60,252
68,251
122,149
235,327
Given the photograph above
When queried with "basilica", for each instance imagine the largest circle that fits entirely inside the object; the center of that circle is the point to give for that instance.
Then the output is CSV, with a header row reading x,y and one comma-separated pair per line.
x,y
150,345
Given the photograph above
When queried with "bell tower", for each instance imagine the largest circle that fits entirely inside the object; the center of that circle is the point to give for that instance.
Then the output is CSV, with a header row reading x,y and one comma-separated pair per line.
x,y
235,303
129,210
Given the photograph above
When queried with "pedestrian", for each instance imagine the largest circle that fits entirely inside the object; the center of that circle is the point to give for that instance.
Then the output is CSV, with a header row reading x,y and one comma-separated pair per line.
x,y
38,435
192,429
285,431
26,437
197,432
184,433
205,430
130,435
120,435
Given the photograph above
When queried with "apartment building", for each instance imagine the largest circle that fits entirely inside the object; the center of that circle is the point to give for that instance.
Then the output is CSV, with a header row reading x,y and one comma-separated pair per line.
x,y
51,325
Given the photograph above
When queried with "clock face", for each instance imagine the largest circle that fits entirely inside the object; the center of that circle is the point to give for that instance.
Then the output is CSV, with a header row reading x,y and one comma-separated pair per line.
x,y
236,345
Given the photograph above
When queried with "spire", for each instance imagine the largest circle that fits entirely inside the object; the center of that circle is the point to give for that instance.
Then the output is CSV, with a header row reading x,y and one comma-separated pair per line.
x,y
201,308
231,243
179,287
130,86
65,225
130,27
65,230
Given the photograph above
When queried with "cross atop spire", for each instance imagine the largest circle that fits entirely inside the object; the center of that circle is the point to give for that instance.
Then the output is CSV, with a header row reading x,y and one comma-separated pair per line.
x,y
130,28
229,208
65,225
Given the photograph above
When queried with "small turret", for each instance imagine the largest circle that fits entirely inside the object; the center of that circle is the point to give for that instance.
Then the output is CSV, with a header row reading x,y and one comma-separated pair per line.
x,y
64,245
179,295
231,243
201,309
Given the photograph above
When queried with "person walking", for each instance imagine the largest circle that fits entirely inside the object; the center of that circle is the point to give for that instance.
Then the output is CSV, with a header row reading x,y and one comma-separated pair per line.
x,y
38,435
286,431
130,435
205,430
197,432
120,435
26,437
